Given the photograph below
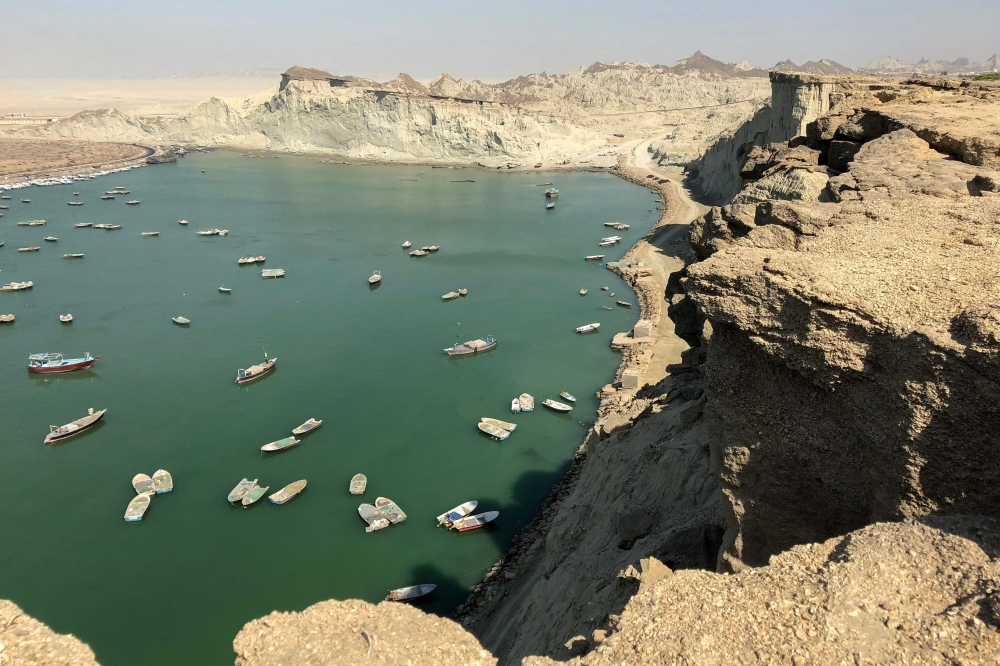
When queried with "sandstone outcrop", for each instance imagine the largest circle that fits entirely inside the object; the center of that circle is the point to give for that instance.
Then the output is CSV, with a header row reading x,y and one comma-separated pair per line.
x,y
24,641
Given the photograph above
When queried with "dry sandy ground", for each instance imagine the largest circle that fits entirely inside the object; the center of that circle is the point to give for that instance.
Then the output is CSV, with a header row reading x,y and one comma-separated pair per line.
x,y
25,156
64,97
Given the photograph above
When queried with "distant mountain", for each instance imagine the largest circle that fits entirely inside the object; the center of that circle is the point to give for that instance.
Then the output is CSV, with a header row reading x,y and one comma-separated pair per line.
x,y
887,65
824,66
701,65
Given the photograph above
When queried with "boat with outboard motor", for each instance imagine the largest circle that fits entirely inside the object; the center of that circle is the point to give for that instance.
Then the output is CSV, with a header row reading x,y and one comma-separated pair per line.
x,y
410,593
474,522
472,347
460,511
254,372
60,433
241,489
56,362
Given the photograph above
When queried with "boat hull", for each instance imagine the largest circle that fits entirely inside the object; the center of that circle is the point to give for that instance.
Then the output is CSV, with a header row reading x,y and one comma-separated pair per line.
x,y
69,367
255,377
470,351
53,437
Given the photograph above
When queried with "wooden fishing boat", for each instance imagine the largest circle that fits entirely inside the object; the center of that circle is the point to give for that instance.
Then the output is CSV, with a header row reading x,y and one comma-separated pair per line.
x,y
463,292
611,239
588,328
180,321
5,207
25,200
136,508
73,256
308,426
375,278
474,522
506,425
66,318
75,203
56,363
51,239
606,243
593,257
605,288
460,511
450,296
112,227
270,273
107,197
243,261
389,510
143,484
472,347
432,248
280,445
6,319
583,292
253,495
184,222
209,232
557,406
515,405
57,434
241,489
162,481
371,515
406,244
358,484
255,372
28,249
551,193
496,433
527,403
225,290
419,253
410,593
133,202
288,492
567,396
17,286
624,304
150,233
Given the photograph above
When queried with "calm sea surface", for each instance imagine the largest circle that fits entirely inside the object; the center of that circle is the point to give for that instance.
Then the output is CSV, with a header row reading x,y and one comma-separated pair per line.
x,y
177,587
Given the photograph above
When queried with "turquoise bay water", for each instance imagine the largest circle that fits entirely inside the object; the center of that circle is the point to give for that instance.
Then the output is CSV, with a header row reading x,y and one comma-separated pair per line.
x,y
177,587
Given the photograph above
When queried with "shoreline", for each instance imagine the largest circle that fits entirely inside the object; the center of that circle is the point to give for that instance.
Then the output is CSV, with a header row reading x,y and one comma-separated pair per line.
x,y
27,179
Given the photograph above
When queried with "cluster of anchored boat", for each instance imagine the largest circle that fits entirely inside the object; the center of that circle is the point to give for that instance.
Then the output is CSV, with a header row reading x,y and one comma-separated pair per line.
x,y
501,430
145,487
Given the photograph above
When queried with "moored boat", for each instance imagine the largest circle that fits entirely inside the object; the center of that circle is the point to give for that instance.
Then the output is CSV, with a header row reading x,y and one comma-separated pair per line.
x,y
253,495
358,484
410,593
583,292
17,286
593,257
527,402
241,489
133,202
107,197
506,425
225,290
567,396
589,328
73,256
308,426
180,321
56,363
460,511
28,249
551,193
406,244
556,406
269,273
474,522
25,200
624,304
376,521
66,318
515,405
136,508
375,278
280,445
472,347
389,510
51,239
6,319
254,372
463,292
162,481
150,233
143,484
83,225
75,428
493,431
184,222
288,492
550,205
432,248
419,253
75,203
450,296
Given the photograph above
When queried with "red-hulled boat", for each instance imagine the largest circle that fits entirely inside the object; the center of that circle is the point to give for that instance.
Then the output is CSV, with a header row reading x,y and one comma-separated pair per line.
x,y
56,363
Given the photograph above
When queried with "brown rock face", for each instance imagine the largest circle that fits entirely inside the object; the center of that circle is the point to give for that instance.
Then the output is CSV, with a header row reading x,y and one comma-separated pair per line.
x,y
24,641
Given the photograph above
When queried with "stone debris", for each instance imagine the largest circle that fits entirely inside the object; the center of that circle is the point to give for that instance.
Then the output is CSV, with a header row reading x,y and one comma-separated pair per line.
x,y
24,641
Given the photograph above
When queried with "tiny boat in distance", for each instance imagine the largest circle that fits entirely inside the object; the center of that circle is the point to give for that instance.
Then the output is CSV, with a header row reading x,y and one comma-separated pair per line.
x,y
136,509
583,292
624,304
73,256
280,445
180,321
496,433
288,492
450,296
184,222
431,248
459,511
162,481
550,205
551,193
463,292
17,286
557,406
107,197
472,347
308,426
506,425
474,522
7,319
376,521
75,203
241,489
225,290
254,372
605,307
143,484
51,239
593,257
358,484
25,200
270,273
589,328
74,428
66,318
55,363
419,253
410,593
134,202
28,249
515,405
150,233
375,278
604,288
566,396
253,495
527,403
407,244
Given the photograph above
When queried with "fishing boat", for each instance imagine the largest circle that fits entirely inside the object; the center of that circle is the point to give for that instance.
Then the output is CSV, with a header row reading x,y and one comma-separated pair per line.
x,y
75,203
389,510
474,522
162,481
241,489
472,347
143,484
184,222
133,202
288,492
243,261
74,428
566,396
375,278
550,205
606,243
253,495
17,286
593,257
28,249
432,248
583,292
419,253
515,406
460,511
56,363
463,292
410,593
280,445
604,288
245,375
25,200
225,290
51,239
557,406
612,294
624,304
270,273
527,403
589,328
76,194
180,321
66,318
73,256
506,425
112,227
221,232
7,319
209,232
308,426
150,233
120,188
107,197
493,431
136,509
551,193
450,296
358,484
611,239
406,244
102,226
376,521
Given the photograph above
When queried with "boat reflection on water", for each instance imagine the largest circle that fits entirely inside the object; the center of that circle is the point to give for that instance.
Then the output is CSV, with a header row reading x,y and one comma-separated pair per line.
x,y
46,379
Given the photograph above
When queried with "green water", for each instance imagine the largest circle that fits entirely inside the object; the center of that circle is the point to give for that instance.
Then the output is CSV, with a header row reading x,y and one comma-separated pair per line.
x,y
177,587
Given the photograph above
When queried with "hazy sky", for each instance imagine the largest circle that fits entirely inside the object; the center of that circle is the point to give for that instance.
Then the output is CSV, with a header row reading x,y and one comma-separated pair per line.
x,y
486,40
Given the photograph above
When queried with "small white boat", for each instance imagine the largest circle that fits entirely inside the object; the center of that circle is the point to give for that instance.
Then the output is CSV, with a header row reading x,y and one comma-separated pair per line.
x,y
550,205
557,406
73,256
241,489
143,484
133,202
162,481
358,484
493,431
51,239
270,273
583,292
589,328
280,445
551,193
527,403
624,304
6,319
506,425
83,225
136,508
75,203
225,290
463,292
210,232
253,495
419,253
450,296
606,243
410,593
390,510
515,406
474,522
288,492
308,426
407,244
184,222
28,249
460,511
371,515
150,233
180,321
567,396
375,278
593,257
604,288
66,318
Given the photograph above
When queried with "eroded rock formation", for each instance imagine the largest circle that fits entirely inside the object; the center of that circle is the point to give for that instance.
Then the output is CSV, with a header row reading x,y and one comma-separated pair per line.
x,y
24,641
